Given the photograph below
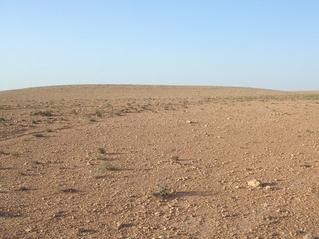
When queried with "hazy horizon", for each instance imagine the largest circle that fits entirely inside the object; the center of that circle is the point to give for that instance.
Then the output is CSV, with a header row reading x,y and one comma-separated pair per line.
x,y
270,45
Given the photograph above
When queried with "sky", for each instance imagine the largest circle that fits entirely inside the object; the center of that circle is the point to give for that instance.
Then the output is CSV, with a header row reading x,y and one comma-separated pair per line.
x,y
265,44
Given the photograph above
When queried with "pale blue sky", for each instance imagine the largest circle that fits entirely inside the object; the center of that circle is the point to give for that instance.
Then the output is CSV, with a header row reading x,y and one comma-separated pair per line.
x,y
267,44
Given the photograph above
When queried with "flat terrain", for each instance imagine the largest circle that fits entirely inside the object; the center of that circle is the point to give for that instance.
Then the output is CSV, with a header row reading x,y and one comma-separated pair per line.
x,y
148,162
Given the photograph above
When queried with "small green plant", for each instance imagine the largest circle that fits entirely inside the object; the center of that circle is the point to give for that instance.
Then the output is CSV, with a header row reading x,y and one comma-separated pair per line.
x,y
23,189
4,152
24,174
175,158
75,112
15,154
39,135
162,191
43,113
103,167
2,119
93,120
68,190
50,130
108,166
102,150
102,157
99,113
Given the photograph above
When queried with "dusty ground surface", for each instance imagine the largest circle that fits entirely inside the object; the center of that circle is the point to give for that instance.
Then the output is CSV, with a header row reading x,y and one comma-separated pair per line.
x,y
91,161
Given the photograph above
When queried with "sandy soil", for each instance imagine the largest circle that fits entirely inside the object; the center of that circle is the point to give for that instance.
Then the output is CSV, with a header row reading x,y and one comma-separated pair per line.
x,y
158,162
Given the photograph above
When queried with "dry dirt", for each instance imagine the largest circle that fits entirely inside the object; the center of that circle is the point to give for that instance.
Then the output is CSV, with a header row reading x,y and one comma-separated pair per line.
x,y
158,162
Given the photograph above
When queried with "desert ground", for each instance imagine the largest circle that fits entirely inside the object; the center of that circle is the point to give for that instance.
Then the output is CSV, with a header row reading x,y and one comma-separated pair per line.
x,y
110,161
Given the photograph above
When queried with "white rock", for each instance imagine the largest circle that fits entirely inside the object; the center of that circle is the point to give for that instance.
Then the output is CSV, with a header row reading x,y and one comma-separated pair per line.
x,y
254,183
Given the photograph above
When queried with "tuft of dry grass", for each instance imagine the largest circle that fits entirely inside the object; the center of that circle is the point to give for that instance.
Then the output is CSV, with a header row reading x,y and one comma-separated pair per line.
x,y
99,113
68,190
2,152
102,150
36,121
75,112
43,113
23,189
162,191
107,166
175,158
15,154
103,167
39,135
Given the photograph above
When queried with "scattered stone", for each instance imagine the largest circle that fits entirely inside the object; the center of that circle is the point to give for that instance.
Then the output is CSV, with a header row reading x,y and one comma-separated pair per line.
x,y
268,187
254,183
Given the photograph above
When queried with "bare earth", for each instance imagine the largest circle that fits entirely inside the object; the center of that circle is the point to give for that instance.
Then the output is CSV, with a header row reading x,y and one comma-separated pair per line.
x,y
158,162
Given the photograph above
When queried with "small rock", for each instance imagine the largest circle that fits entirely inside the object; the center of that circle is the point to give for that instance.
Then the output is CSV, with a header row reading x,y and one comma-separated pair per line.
x,y
254,183
267,187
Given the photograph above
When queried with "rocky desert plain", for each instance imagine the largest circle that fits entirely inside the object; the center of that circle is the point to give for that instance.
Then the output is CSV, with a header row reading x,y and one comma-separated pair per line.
x,y
112,161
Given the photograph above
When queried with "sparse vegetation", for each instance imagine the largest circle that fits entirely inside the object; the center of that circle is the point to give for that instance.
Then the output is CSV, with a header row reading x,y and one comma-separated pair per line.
x,y
99,113
43,113
23,189
2,152
39,135
155,163
83,231
68,190
24,174
101,157
102,150
36,121
15,154
103,167
175,158
75,112
162,191
107,166
2,119
8,214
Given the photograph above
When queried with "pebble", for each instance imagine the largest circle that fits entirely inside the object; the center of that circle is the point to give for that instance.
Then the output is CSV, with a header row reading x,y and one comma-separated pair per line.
x,y
267,187
254,183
